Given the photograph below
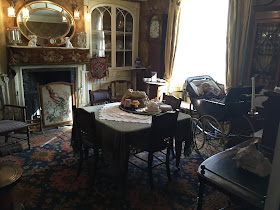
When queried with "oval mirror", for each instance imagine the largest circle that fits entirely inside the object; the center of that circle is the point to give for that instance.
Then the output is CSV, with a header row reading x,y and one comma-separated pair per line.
x,y
46,20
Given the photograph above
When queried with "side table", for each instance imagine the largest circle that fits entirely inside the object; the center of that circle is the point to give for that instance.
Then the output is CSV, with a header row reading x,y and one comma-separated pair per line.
x,y
220,171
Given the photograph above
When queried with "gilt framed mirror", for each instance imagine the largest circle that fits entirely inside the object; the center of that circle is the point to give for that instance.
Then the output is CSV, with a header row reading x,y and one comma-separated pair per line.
x,y
49,21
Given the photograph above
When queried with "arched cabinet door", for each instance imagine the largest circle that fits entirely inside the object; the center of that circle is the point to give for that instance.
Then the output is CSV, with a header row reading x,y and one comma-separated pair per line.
x,y
264,62
113,33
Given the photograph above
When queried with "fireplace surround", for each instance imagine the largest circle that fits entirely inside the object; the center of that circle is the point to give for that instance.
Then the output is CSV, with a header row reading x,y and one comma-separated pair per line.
x,y
32,66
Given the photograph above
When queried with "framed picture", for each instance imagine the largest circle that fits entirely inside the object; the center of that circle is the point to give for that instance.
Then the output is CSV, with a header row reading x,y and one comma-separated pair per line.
x,y
56,99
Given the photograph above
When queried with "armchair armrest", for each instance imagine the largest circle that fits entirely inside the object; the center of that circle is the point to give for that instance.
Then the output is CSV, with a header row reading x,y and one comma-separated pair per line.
x,y
14,112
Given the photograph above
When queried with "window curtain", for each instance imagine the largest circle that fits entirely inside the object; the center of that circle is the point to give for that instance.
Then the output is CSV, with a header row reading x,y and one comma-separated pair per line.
x,y
171,36
238,42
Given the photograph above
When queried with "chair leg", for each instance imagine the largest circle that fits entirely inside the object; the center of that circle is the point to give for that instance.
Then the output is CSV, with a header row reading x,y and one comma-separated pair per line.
x,y
150,164
28,136
95,164
167,162
6,137
86,151
172,150
80,160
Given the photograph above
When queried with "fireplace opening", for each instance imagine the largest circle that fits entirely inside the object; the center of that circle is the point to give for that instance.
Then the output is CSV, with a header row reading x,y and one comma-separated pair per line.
x,y
41,76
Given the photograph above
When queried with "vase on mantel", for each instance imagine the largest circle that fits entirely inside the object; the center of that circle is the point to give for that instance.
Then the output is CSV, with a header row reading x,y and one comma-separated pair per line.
x,y
137,63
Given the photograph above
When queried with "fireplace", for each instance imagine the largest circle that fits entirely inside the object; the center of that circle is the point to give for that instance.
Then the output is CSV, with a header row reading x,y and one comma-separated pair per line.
x,y
40,65
34,77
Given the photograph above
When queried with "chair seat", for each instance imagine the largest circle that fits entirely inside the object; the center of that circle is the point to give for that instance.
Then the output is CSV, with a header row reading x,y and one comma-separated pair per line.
x,y
11,125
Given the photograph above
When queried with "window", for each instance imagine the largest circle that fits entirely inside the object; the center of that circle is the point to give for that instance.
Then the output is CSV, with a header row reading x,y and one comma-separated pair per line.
x,y
201,48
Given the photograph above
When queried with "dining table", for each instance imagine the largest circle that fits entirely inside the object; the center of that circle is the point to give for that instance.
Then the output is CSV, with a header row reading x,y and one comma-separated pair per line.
x,y
118,132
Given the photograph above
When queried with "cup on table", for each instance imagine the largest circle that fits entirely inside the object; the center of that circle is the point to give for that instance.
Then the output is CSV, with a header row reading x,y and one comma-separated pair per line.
x,y
127,102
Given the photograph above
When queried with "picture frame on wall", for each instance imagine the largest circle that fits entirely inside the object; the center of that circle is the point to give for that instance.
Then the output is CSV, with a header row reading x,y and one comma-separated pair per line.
x,y
56,101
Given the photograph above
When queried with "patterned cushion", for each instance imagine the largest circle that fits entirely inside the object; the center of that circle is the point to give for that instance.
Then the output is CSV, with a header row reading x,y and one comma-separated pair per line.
x,y
100,95
11,125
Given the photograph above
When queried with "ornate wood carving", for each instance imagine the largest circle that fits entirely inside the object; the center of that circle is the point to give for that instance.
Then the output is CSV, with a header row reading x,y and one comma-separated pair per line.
x,y
46,55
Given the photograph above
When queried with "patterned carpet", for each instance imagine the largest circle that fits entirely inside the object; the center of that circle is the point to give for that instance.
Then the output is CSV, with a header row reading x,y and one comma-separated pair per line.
x,y
49,181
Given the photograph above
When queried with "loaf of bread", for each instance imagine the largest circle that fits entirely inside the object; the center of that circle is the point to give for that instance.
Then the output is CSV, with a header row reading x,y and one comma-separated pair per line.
x,y
141,96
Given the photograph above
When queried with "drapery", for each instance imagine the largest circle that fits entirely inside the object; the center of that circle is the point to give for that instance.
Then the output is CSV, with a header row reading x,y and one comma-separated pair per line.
x,y
171,36
238,42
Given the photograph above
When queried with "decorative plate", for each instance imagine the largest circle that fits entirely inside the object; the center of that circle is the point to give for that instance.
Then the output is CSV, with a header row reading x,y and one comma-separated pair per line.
x,y
10,173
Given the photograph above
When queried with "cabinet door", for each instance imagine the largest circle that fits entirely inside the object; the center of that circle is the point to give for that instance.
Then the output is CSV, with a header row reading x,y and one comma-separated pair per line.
x,y
124,27
112,30
101,34
265,54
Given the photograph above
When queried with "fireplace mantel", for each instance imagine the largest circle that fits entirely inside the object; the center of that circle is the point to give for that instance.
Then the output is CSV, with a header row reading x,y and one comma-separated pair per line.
x,y
24,55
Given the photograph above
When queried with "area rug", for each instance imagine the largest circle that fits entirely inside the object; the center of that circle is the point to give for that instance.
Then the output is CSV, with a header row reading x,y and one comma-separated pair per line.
x,y
49,181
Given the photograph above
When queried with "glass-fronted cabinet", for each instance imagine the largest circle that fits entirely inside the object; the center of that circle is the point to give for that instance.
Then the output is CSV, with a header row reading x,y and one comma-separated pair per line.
x,y
114,33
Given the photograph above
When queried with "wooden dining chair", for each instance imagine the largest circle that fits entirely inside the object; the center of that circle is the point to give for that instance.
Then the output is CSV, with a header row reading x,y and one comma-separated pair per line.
x,y
118,89
14,119
172,100
84,125
162,131
175,103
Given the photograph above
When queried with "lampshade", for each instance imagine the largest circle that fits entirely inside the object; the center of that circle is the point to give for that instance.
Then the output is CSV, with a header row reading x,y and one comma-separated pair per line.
x,y
76,14
87,16
25,13
11,11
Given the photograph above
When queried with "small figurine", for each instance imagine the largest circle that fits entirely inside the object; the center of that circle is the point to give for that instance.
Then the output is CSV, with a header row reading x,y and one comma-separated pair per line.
x,y
33,41
68,43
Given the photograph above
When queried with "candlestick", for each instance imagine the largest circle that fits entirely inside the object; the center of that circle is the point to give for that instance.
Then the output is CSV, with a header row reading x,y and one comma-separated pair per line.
x,y
253,94
253,106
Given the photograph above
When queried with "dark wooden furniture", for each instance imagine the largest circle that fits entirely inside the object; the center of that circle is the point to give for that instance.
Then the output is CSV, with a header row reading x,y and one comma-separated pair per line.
x,y
86,137
99,96
14,120
264,62
271,114
118,88
172,100
117,136
152,89
175,104
162,132
137,76
220,171
157,24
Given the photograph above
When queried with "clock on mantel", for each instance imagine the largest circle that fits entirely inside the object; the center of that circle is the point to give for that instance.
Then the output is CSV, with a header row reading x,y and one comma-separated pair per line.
x,y
156,25
51,42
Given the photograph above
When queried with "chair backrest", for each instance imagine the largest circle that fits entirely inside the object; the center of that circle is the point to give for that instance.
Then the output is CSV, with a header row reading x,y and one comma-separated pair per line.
x,y
85,127
99,97
163,127
172,100
14,112
118,89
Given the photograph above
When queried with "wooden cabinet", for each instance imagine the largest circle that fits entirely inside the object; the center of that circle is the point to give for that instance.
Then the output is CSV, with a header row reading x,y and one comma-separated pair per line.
x,y
113,32
265,51
156,38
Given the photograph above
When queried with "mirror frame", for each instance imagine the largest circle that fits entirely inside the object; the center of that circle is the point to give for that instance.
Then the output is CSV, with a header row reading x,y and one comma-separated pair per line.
x,y
46,39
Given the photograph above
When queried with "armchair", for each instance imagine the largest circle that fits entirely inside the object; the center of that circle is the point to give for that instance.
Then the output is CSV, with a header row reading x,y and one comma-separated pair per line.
x,y
118,89
14,119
